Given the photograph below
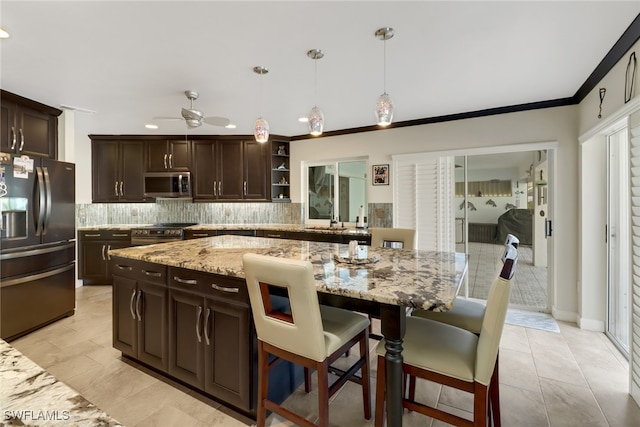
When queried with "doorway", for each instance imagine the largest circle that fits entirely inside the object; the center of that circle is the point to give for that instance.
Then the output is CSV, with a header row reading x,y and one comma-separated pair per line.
x,y
618,240
499,194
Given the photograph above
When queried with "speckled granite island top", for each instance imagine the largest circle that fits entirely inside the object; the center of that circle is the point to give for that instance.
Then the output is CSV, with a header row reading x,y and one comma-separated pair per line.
x,y
419,279
30,396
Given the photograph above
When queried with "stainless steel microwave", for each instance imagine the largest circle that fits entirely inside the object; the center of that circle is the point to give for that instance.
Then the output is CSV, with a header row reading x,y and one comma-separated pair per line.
x,y
167,184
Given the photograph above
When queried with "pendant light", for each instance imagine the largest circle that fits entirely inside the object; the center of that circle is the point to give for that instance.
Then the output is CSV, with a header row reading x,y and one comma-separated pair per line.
x,y
261,126
316,118
384,106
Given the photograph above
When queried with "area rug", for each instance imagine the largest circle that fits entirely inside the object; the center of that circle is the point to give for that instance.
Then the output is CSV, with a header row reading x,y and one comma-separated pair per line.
x,y
530,319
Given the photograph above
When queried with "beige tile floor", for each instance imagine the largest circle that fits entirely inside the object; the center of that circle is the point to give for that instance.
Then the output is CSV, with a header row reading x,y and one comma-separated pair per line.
x,y
571,378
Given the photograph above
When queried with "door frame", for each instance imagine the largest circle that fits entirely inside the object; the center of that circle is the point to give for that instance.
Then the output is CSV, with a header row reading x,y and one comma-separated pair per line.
x,y
550,147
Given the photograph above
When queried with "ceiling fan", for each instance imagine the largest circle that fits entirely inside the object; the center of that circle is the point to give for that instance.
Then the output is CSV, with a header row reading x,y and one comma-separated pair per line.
x,y
194,118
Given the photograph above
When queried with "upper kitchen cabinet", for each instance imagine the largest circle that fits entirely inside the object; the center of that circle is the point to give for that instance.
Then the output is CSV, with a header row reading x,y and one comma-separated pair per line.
x,y
28,127
117,170
229,169
171,155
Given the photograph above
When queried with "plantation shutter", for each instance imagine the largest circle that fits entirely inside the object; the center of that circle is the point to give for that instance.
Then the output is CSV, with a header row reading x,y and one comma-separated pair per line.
x,y
423,199
634,363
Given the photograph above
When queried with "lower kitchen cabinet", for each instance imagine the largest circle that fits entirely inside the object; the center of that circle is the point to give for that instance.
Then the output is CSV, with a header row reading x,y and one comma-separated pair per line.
x,y
210,335
140,312
93,254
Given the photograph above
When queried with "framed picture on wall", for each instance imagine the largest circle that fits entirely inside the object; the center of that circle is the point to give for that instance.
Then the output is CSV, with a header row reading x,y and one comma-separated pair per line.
x,y
380,174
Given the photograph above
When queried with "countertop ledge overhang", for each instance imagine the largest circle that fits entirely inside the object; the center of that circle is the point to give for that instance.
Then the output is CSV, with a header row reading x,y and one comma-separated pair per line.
x,y
267,227
32,396
411,278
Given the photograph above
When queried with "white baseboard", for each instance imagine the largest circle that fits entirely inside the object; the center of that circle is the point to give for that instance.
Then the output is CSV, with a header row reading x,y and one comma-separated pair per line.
x,y
591,324
563,315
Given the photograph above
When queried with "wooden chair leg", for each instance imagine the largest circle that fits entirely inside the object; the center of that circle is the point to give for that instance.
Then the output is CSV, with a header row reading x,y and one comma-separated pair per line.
x,y
480,405
380,393
364,373
307,380
323,393
263,384
494,396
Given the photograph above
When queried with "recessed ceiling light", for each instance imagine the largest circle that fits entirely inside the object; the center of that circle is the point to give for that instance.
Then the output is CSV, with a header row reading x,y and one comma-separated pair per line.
x,y
150,126
3,33
303,119
230,126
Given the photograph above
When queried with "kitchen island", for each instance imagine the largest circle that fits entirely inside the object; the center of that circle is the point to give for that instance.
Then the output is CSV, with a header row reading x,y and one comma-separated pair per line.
x,y
176,303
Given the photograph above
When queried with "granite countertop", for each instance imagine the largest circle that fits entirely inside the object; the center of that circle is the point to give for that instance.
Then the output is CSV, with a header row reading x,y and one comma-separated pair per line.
x,y
271,227
412,278
31,396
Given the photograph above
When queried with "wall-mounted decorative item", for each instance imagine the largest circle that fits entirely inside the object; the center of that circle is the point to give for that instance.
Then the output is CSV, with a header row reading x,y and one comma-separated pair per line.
x,y
630,77
602,93
380,175
491,203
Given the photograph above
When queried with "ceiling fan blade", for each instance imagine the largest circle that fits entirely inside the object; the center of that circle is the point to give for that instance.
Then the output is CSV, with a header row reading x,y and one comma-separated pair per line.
x,y
217,121
166,118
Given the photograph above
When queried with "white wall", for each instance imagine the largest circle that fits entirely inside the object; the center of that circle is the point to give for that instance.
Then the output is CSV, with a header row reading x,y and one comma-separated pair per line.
x,y
554,124
592,258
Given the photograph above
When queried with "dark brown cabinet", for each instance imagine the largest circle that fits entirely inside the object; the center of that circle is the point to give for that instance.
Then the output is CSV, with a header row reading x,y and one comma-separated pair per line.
x,y
93,254
117,171
140,311
229,169
28,127
171,155
211,335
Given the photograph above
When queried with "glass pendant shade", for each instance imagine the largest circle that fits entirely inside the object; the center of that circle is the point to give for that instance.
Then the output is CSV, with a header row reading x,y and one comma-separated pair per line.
x,y
316,121
261,130
384,110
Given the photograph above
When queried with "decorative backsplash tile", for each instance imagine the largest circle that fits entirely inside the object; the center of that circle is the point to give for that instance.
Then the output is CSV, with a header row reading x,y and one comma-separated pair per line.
x,y
90,214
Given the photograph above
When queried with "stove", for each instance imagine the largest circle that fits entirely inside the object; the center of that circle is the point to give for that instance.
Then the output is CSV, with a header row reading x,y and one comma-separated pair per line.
x,y
159,233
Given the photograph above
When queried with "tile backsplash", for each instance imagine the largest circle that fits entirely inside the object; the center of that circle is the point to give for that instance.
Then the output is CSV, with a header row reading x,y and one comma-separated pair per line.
x,y
91,214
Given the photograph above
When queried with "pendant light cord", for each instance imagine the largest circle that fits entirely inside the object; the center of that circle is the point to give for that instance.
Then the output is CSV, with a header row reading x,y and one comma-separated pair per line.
x,y
315,81
384,66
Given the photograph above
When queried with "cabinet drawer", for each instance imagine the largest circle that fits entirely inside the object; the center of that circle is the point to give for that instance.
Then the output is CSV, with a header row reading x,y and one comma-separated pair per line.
x,y
140,270
105,235
208,284
197,234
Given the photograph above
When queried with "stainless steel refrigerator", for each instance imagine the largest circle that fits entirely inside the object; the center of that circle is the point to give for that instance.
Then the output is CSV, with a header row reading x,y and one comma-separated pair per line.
x,y
37,244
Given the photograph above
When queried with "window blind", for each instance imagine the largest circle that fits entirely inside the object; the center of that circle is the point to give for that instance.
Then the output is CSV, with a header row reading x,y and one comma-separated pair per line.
x,y
634,365
423,200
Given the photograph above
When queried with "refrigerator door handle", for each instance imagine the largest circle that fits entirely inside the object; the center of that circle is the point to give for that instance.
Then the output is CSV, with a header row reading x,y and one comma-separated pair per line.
x,y
41,200
47,185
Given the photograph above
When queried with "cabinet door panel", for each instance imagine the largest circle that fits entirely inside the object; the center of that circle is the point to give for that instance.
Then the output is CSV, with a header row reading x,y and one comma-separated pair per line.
x,y
185,347
152,327
92,263
255,170
7,126
230,170
131,171
204,170
104,170
180,155
124,323
227,367
38,132
157,156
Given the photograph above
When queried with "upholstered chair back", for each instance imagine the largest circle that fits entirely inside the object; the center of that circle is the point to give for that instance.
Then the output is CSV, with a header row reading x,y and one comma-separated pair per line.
x,y
494,317
299,331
